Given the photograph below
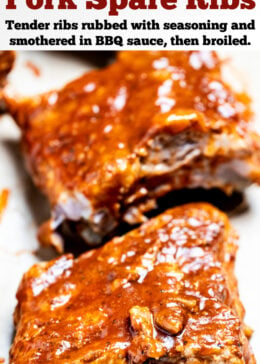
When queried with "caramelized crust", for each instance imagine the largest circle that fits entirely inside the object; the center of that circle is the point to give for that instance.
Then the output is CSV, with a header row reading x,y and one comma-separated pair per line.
x,y
162,293
107,145
7,59
6,64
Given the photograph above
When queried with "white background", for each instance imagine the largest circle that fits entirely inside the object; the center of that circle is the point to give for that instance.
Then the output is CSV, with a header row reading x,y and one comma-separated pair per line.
x,y
26,207
23,14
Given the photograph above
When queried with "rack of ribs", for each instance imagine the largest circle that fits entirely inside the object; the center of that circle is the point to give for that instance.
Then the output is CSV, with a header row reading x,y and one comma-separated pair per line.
x,y
109,144
163,293
7,59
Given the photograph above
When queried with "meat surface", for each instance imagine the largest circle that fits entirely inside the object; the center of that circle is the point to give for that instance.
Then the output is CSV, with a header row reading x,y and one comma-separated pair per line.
x,y
163,293
108,145
7,59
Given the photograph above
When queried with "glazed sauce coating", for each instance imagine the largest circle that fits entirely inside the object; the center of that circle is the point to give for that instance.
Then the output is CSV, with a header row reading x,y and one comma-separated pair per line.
x,y
88,135
107,145
7,59
165,290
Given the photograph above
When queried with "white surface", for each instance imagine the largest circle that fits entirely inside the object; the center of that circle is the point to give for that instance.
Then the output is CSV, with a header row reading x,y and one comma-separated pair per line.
x,y
26,208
